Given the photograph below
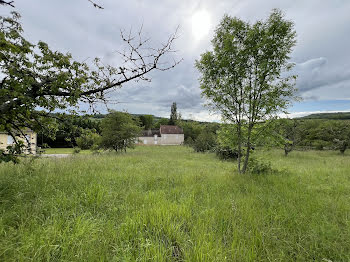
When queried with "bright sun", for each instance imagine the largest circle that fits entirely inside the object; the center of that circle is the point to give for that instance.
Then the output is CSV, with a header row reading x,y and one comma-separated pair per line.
x,y
200,24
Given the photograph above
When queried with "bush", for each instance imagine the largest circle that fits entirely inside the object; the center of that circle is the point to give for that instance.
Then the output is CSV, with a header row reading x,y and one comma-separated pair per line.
x,y
87,139
76,150
258,166
225,153
204,142
189,141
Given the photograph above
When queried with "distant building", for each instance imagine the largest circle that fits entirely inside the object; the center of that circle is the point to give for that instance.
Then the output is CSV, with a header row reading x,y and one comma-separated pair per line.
x,y
7,140
165,135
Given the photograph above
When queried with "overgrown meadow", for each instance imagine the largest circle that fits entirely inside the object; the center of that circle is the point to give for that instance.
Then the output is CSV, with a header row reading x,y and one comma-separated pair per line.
x,y
171,204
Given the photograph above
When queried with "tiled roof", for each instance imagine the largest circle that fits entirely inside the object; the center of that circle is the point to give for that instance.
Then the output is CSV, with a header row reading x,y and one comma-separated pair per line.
x,y
171,130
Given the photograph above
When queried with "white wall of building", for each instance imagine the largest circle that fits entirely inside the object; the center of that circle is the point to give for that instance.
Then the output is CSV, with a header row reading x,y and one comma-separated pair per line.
x,y
165,139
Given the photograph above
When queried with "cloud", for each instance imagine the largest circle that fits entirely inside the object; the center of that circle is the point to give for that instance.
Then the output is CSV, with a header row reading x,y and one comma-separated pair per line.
x,y
316,74
321,55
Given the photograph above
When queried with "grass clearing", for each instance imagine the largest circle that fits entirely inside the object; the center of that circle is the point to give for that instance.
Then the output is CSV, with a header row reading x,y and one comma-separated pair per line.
x,y
50,151
170,204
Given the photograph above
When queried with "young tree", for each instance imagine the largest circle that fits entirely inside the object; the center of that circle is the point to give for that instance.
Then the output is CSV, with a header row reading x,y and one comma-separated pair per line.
x,y
173,114
288,133
242,77
33,76
119,131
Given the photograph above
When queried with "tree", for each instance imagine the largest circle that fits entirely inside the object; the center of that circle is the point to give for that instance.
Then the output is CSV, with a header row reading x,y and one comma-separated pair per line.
x,y
161,122
119,131
33,76
243,76
206,141
173,114
287,134
87,139
147,121
191,130
337,132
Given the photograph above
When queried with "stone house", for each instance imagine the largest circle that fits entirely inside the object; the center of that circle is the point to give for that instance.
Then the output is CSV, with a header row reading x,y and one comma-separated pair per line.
x,y
7,140
165,135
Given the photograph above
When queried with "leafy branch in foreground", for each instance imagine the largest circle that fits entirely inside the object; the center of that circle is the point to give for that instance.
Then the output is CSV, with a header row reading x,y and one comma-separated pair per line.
x,y
35,77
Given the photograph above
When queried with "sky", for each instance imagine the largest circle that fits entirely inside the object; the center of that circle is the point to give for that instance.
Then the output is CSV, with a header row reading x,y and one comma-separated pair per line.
x,y
321,56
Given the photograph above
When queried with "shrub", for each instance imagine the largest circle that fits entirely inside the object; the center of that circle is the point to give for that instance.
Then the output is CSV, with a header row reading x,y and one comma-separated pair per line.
x,y
225,153
205,142
87,139
76,150
189,141
258,166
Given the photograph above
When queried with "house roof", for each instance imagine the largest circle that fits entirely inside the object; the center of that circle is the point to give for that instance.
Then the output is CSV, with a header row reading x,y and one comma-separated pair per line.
x,y
171,130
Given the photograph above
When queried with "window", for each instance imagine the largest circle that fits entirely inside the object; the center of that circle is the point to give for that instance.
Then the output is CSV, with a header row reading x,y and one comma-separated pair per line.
x,y
10,140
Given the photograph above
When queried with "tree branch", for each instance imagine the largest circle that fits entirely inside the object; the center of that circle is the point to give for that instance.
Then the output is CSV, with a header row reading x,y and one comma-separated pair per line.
x,y
10,3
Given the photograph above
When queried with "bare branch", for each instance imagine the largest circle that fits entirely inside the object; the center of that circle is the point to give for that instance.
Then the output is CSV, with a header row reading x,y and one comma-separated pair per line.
x,y
96,5
10,3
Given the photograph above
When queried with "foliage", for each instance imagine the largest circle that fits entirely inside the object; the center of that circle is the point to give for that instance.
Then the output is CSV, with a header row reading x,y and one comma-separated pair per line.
x,y
147,121
11,152
337,133
66,128
329,116
87,139
259,166
206,141
119,131
174,116
76,150
242,77
34,76
225,152
191,129
161,122
287,134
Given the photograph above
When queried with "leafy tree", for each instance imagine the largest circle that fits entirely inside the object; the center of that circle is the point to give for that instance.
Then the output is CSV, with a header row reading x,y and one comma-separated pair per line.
x,y
242,77
33,76
338,133
119,131
160,122
173,115
191,130
288,134
87,139
206,141
66,129
147,121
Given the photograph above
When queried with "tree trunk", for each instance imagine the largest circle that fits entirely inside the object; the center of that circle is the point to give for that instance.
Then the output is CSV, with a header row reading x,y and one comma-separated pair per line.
x,y
286,150
239,148
246,160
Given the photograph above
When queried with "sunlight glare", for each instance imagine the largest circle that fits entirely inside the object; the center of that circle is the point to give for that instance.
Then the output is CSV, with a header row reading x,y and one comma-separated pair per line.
x,y
200,24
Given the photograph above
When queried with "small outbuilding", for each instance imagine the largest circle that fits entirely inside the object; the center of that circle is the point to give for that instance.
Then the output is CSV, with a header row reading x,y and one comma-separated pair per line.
x,y
165,135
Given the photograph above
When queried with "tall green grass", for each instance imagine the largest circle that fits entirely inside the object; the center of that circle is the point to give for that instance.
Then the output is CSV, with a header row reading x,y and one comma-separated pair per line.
x,y
171,204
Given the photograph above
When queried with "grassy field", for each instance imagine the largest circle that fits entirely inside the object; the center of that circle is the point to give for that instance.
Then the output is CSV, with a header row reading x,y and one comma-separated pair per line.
x,y
170,204
64,151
